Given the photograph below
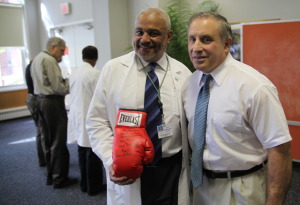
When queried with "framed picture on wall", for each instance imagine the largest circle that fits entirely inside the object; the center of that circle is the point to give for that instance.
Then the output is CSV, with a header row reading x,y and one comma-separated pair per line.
x,y
236,50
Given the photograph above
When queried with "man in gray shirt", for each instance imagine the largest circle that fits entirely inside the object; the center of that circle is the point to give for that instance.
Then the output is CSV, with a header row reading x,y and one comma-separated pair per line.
x,y
51,88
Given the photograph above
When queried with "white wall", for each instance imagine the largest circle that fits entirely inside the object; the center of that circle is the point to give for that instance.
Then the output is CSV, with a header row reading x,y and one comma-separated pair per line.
x,y
252,10
111,28
114,19
102,30
245,10
80,10
31,13
51,16
118,16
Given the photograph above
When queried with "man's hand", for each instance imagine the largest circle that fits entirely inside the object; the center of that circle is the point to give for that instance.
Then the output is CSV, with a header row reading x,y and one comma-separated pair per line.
x,y
119,180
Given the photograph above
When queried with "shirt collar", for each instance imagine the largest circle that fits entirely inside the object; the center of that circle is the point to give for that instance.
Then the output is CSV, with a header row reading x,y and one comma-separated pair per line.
x,y
221,71
162,62
47,52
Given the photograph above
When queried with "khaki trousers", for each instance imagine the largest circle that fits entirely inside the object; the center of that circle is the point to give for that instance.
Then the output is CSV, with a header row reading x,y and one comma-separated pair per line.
x,y
246,190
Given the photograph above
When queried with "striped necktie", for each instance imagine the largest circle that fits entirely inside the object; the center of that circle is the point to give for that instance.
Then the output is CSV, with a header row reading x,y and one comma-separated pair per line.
x,y
200,132
152,108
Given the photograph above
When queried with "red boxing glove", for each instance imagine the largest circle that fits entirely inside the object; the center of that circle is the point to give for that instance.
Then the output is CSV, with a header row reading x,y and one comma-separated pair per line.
x,y
132,147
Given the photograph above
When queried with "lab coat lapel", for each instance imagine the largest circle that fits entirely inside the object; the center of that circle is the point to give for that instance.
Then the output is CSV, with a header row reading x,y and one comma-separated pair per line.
x,y
176,77
128,98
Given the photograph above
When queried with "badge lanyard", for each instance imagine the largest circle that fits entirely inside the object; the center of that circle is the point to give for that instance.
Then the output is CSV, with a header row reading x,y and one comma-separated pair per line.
x,y
158,89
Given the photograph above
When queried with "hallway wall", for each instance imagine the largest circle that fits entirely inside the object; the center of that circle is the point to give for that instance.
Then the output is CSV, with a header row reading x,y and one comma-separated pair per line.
x,y
113,22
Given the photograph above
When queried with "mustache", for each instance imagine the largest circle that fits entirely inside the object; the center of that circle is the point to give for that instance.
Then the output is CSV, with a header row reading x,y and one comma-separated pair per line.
x,y
146,45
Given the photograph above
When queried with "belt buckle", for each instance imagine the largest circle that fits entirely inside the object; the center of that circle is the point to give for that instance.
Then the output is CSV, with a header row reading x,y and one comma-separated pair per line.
x,y
213,175
210,174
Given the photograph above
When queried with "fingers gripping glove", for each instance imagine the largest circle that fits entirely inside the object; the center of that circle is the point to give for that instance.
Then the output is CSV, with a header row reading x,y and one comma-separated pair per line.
x,y
132,148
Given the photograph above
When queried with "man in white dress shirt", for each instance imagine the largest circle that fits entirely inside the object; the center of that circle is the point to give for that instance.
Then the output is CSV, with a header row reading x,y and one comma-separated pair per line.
x,y
246,158
122,85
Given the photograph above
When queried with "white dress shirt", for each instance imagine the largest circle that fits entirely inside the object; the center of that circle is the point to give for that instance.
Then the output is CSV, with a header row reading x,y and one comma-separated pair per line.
x,y
244,116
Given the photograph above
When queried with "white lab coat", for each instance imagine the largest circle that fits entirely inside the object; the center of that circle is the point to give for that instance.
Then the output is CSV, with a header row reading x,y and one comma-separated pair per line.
x,y
83,82
117,88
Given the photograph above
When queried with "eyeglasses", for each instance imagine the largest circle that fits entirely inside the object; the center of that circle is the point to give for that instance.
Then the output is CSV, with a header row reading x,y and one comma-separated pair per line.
x,y
61,49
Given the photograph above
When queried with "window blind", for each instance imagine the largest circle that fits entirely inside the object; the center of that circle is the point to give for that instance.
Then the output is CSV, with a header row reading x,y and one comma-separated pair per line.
x,y
11,21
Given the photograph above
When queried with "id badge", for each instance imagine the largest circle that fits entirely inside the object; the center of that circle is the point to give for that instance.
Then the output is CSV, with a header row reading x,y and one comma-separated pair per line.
x,y
164,130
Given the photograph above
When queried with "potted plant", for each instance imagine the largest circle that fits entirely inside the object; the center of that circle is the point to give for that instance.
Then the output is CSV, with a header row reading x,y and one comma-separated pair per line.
x,y
180,12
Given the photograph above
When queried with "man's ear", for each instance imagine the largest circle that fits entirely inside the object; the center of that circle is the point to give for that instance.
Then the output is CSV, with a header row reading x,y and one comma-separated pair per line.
x,y
170,34
51,49
227,44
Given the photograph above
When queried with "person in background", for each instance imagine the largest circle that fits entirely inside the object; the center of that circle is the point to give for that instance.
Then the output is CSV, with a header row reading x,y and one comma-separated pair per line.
x,y
51,88
31,102
122,85
82,85
246,157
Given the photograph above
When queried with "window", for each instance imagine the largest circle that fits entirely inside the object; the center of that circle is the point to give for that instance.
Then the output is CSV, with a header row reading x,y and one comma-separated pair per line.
x,y
11,64
12,1
12,44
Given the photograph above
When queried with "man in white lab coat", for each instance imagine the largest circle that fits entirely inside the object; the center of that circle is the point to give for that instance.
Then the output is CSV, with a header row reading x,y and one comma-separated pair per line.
x,y
83,81
122,85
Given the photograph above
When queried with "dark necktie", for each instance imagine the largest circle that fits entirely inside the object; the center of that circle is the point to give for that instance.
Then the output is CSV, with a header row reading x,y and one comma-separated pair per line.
x,y
151,106
200,132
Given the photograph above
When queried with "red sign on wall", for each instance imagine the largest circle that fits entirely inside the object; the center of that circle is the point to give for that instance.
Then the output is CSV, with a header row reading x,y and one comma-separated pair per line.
x,y
65,8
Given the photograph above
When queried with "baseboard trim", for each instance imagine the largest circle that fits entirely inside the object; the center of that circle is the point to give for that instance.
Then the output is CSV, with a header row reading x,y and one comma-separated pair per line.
x,y
12,113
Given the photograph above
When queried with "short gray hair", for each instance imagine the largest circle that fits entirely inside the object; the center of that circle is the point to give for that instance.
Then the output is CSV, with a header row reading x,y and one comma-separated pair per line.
x,y
160,12
55,41
225,28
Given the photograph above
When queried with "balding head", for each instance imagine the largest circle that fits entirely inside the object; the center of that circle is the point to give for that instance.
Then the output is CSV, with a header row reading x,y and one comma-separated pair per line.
x,y
158,13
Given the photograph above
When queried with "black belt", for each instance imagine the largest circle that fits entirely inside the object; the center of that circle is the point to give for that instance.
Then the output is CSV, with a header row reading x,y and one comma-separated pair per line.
x,y
175,157
51,96
232,174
